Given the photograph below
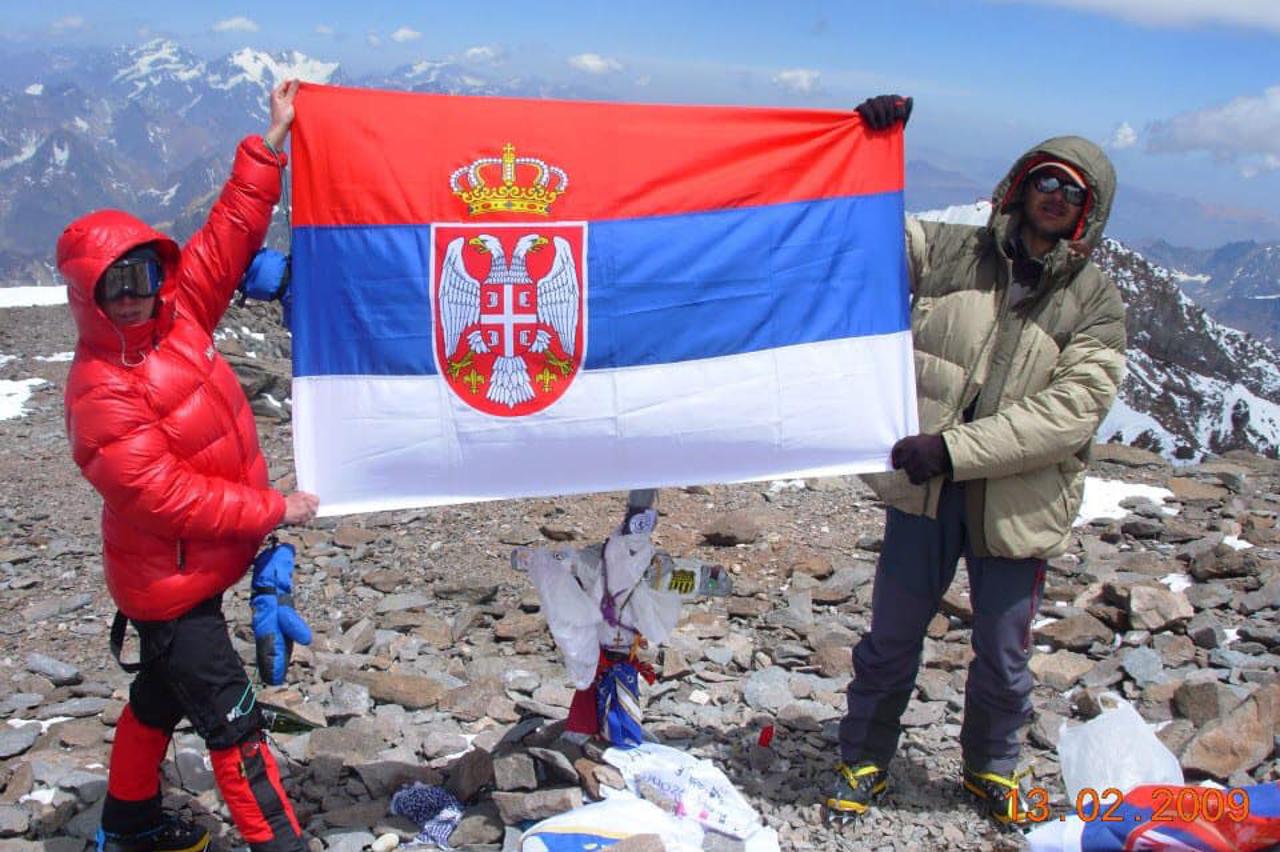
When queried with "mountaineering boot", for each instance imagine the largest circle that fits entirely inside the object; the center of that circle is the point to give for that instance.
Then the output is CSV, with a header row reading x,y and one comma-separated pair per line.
x,y
856,790
1002,797
173,835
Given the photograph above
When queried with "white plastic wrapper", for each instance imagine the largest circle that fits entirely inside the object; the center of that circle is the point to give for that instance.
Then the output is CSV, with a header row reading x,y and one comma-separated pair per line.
x,y
572,594
698,790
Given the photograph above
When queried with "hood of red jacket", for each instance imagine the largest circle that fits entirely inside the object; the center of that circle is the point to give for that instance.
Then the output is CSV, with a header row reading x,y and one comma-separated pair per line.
x,y
86,248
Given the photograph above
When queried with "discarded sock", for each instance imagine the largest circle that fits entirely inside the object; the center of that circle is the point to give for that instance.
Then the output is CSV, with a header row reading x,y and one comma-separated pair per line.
x,y
434,808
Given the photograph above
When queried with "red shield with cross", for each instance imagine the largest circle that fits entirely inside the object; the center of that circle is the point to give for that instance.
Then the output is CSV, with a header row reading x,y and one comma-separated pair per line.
x,y
508,304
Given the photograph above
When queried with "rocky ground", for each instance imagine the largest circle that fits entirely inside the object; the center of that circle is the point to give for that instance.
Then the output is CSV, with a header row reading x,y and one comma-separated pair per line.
x,y
432,662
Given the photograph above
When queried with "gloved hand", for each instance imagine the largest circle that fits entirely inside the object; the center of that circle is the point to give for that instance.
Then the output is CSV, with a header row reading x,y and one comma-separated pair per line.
x,y
276,625
883,111
922,456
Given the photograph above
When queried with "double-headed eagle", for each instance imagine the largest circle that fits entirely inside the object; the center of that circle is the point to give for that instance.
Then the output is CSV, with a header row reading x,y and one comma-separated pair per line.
x,y
557,307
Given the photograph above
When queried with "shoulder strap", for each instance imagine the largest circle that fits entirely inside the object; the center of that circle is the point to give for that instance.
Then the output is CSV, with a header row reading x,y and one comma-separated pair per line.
x,y
118,627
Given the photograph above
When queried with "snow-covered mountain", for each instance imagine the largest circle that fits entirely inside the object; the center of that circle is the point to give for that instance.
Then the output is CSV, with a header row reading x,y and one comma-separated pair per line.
x,y
151,129
148,128
1238,283
1193,385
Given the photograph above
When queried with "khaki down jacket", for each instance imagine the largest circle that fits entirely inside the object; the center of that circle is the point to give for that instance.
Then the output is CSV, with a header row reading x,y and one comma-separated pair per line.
x,y
1040,374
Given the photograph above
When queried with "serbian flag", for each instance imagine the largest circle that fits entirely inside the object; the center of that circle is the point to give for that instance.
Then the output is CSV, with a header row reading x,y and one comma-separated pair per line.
x,y
510,298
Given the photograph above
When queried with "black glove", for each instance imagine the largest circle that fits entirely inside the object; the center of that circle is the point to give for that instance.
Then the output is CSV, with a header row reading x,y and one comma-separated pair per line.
x,y
922,456
883,111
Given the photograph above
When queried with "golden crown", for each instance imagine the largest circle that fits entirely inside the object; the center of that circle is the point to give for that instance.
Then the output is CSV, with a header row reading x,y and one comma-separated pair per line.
x,y
533,194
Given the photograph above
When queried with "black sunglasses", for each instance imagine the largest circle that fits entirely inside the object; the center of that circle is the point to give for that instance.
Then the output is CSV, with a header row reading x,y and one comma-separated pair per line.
x,y
137,278
1072,194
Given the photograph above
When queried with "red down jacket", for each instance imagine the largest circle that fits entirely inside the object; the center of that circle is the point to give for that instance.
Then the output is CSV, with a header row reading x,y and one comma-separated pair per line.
x,y
156,418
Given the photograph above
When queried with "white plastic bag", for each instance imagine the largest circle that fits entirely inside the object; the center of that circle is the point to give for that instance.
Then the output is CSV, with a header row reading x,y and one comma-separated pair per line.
x,y
572,613
1117,749
697,788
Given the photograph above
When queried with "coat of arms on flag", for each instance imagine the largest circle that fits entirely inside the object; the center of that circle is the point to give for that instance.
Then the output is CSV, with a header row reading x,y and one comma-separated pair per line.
x,y
508,306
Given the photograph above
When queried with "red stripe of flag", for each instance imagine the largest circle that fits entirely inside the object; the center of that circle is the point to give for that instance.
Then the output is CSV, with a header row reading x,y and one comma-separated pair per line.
x,y
371,157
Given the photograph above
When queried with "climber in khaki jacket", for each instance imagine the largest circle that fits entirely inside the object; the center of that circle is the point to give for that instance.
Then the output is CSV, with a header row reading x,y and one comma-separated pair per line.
x,y
1019,352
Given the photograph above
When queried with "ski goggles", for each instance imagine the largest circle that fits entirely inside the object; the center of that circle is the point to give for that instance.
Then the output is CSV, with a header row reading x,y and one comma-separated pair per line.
x,y
136,277
1050,183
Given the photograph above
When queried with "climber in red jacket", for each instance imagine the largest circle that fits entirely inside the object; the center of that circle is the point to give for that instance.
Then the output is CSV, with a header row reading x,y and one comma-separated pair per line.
x,y
160,427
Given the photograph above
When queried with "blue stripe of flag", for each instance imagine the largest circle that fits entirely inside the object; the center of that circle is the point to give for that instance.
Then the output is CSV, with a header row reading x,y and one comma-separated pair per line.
x,y
660,290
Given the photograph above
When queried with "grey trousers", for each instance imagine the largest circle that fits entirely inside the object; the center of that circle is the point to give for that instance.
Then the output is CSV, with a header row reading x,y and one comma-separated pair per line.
x,y
917,564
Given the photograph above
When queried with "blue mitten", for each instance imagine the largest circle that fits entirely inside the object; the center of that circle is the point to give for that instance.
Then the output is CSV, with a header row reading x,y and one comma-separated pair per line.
x,y
267,279
276,624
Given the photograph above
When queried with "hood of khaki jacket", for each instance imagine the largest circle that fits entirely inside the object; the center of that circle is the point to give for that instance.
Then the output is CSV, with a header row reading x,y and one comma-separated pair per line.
x,y
1070,254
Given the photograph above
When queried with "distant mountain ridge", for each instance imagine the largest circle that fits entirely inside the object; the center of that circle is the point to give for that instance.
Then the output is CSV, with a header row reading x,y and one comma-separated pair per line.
x,y
1239,283
151,128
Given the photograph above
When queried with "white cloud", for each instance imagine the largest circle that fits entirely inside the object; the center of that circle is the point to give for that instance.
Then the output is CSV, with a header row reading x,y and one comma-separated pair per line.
x,y
1123,137
324,30
373,39
68,22
594,63
1264,14
405,34
484,53
644,80
803,81
238,24
1245,131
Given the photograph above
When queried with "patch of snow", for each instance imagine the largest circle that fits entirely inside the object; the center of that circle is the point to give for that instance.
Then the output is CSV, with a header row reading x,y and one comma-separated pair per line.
x,y
1267,297
470,740
155,59
35,89
44,724
1183,277
780,485
1041,622
264,70
1232,634
30,144
256,335
275,403
56,357
1236,542
164,196
1176,582
1102,498
5,359
30,297
61,153
13,395
80,123
1128,423
43,795
978,213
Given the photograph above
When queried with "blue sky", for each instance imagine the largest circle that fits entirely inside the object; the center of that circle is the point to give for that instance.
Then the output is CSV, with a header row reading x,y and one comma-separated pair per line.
x,y
1185,93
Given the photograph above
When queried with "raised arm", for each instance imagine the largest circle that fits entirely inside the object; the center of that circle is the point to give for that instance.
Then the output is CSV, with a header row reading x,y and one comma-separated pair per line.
x,y
216,257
